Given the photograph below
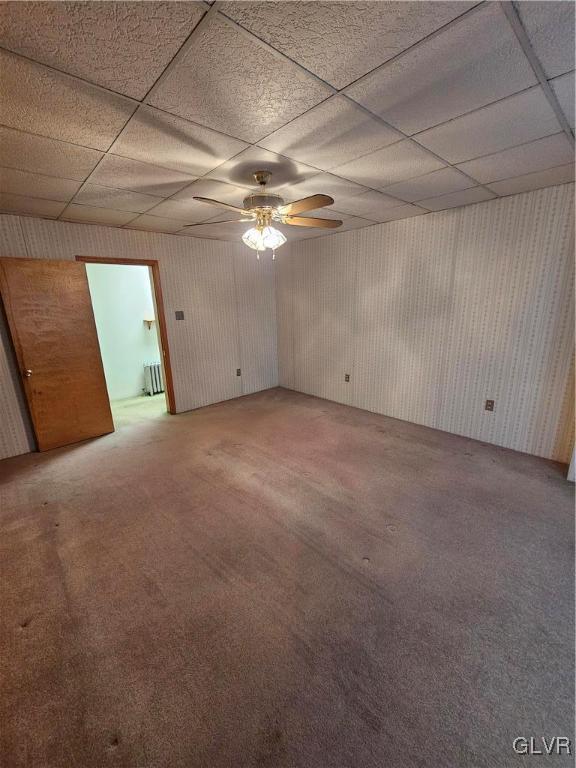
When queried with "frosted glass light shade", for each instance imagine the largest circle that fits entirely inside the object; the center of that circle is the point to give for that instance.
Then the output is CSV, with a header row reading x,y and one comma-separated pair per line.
x,y
268,238
272,238
253,239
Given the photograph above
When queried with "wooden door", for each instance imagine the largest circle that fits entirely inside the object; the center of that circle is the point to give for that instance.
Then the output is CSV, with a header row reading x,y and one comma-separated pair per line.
x,y
49,313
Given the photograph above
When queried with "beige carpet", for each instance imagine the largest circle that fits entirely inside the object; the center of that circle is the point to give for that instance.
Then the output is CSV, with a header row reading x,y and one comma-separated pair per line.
x,y
283,581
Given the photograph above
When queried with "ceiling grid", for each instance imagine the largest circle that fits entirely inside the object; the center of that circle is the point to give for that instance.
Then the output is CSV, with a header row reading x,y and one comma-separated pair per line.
x,y
219,108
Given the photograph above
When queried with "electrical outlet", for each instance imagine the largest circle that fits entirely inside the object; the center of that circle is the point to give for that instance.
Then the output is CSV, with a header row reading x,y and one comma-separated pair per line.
x,y
346,377
238,372
489,405
179,314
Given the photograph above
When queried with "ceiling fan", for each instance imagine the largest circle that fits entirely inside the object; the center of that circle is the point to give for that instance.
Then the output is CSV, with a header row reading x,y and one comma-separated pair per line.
x,y
263,208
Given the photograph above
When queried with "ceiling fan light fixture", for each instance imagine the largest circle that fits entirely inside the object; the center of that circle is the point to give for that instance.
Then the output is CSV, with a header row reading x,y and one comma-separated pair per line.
x,y
259,240
272,238
253,239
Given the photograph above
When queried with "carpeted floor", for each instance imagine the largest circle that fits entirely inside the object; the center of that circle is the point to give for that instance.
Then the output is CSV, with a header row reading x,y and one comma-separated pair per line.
x,y
281,581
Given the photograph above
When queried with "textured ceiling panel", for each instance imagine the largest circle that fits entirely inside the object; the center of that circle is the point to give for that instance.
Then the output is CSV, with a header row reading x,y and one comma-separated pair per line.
x,y
341,190
507,123
389,165
529,158
160,139
115,199
123,46
330,134
563,87
402,212
562,174
474,62
284,171
33,185
340,41
30,206
40,100
37,154
187,211
550,27
90,215
231,83
370,205
155,224
457,199
122,172
227,231
439,182
216,190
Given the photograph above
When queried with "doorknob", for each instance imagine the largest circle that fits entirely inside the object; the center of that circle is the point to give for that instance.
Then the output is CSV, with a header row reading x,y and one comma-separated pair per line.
x,y
27,373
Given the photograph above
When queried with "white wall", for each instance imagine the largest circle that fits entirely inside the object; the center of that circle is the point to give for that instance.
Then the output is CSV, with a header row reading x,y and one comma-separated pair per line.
x,y
121,299
227,296
433,315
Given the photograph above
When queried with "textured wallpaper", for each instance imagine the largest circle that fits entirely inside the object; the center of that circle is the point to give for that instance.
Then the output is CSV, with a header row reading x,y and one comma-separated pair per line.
x,y
433,315
227,296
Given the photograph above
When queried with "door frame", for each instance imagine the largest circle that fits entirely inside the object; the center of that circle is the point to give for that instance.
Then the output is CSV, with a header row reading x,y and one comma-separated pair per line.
x,y
159,301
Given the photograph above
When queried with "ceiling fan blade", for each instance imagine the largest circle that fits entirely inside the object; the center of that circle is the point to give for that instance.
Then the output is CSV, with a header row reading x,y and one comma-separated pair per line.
x,y
221,205
306,204
222,221
311,221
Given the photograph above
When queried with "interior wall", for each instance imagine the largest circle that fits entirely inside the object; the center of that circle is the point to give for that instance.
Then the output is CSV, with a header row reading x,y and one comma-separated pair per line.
x,y
121,300
433,315
227,296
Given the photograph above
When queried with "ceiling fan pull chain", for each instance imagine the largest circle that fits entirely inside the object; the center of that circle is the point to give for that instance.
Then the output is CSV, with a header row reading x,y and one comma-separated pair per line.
x,y
273,254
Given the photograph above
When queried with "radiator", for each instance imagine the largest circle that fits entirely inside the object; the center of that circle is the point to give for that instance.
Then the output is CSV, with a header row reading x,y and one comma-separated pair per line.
x,y
153,383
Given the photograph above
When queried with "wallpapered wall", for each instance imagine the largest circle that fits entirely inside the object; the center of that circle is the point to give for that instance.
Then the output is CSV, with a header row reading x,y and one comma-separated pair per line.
x,y
433,315
226,294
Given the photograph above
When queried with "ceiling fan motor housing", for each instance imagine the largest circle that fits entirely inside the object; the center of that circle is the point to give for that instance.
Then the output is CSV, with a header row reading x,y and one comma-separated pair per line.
x,y
261,200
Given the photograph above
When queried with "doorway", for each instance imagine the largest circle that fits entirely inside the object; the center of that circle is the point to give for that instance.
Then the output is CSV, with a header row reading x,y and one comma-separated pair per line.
x,y
128,312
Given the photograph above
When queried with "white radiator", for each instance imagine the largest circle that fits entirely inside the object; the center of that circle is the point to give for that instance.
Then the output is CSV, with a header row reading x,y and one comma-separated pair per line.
x,y
153,383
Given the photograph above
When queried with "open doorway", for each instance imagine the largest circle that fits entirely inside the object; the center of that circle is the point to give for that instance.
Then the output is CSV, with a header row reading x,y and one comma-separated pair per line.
x,y
131,333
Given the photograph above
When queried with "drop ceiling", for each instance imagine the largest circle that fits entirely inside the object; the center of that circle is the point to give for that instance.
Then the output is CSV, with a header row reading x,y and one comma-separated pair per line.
x,y
119,113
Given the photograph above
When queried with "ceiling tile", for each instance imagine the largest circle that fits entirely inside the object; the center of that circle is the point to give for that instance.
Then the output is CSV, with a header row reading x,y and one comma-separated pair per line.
x,y
550,27
562,174
507,123
226,231
115,199
284,171
370,205
33,185
457,199
160,139
30,206
330,134
563,87
155,224
40,100
528,158
187,211
436,183
340,41
402,212
123,173
37,154
229,82
123,46
89,215
475,61
389,165
341,190
216,190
